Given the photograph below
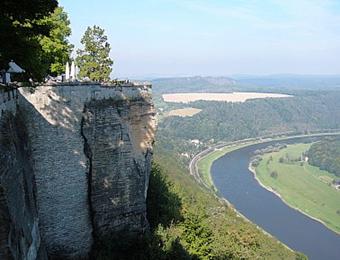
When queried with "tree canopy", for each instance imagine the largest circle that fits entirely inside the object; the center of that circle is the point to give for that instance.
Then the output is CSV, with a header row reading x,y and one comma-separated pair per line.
x,y
326,155
34,34
94,61
23,10
55,46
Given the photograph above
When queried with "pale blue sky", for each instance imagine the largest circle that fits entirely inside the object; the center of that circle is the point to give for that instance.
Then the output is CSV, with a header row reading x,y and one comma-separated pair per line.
x,y
215,37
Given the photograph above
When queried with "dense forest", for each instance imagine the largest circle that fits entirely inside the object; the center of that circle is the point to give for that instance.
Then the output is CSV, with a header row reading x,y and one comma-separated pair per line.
x,y
326,155
302,113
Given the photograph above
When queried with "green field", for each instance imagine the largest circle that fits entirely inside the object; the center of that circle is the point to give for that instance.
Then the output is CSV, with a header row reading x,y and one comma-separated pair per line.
x,y
301,185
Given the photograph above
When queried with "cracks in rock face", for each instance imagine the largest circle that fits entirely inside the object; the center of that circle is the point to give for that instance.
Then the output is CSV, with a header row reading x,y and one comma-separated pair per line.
x,y
139,169
91,134
88,153
110,137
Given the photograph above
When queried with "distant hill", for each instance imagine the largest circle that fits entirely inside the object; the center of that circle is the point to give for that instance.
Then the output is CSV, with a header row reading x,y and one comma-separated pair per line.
x,y
270,83
193,84
290,81
315,110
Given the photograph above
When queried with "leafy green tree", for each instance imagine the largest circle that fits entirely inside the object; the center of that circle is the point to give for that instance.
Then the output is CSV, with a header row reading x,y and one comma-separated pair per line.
x,y
274,174
20,30
94,61
55,46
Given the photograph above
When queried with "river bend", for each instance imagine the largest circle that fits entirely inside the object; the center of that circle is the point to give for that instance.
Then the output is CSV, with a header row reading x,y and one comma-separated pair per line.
x,y
237,184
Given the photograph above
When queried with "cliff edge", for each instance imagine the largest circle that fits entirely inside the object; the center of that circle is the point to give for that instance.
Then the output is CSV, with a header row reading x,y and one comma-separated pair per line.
x,y
79,158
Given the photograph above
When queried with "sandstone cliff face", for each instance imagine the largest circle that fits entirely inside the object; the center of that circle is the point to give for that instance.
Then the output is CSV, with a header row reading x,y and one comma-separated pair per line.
x,y
88,161
19,232
118,137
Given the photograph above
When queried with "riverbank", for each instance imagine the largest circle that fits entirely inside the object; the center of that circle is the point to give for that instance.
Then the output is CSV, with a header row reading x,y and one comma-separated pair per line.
x,y
231,235
200,167
251,169
205,162
318,200
201,163
299,232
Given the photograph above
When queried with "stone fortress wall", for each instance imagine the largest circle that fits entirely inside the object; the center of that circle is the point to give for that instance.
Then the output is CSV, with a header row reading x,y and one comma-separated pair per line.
x,y
90,150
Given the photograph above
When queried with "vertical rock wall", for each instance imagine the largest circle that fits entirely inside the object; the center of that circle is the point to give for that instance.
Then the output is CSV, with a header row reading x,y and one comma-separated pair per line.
x,y
53,118
119,136
89,157
19,231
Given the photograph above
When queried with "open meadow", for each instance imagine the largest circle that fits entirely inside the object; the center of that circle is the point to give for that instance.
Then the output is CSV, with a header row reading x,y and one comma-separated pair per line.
x,y
301,185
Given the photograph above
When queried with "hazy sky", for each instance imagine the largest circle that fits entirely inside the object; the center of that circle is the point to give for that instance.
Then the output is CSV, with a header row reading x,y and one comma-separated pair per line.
x,y
214,37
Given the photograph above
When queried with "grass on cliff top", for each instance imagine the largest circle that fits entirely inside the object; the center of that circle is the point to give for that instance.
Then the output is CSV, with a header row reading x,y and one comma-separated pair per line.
x,y
202,227
301,185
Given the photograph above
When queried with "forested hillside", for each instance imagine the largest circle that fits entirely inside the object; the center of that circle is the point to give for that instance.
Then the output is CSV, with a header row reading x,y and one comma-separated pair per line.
x,y
302,113
201,226
326,155
191,223
193,84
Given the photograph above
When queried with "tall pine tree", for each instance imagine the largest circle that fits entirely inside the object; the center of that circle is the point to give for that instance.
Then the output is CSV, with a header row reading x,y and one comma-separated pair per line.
x,y
94,61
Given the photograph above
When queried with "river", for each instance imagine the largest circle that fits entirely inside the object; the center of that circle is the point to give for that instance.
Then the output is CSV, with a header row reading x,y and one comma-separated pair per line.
x,y
237,184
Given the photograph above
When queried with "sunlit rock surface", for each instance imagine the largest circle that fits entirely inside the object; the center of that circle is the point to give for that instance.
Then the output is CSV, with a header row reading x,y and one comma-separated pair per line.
x,y
88,159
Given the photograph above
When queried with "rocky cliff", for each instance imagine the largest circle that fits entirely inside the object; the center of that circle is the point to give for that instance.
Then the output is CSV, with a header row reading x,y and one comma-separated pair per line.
x,y
82,155
19,232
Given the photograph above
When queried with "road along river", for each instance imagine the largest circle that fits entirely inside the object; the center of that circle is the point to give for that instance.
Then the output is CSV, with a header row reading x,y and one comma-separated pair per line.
x,y
237,184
